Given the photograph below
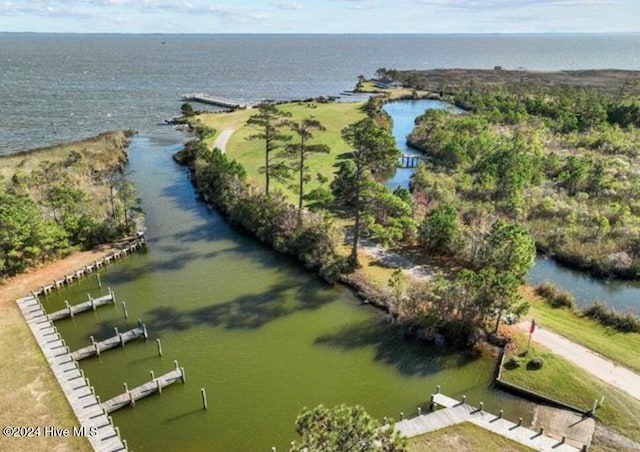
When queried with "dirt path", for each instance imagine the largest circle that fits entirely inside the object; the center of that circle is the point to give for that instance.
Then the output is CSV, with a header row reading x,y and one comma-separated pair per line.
x,y
222,139
30,395
591,362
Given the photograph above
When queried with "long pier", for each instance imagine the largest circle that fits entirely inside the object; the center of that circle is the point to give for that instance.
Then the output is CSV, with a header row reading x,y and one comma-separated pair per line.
x,y
76,388
456,412
118,340
204,98
75,275
130,396
91,304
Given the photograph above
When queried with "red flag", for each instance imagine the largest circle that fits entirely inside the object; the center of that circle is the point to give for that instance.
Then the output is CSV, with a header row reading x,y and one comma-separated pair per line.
x,y
533,326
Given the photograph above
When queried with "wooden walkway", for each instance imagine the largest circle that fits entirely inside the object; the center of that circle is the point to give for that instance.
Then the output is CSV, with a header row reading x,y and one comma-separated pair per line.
x,y
118,340
76,387
91,304
410,161
130,396
456,412
129,247
204,98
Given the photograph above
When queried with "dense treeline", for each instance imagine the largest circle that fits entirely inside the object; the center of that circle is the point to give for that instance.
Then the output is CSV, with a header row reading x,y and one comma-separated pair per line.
x,y
463,305
61,199
271,218
563,161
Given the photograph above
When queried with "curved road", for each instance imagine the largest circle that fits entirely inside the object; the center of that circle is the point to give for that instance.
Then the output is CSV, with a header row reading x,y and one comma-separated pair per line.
x,y
222,139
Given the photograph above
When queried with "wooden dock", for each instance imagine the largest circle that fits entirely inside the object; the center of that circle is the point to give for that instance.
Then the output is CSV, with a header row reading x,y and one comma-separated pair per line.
x,y
129,247
410,161
91,304
456,412
204,98
76,387
118,340
130,396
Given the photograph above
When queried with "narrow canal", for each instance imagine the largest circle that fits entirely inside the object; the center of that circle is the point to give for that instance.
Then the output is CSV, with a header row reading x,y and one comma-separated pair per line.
x,y
264,337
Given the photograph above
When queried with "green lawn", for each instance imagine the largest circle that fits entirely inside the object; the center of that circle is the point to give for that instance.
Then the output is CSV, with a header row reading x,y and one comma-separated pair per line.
x,y
623,348
250,153
465,437
563,381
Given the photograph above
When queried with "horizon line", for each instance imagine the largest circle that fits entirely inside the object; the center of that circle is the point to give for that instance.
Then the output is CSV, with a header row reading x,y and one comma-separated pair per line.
x,y
328,33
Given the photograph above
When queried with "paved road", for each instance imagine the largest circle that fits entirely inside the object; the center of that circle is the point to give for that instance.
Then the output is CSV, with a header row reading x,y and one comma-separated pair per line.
x,y
222,139
586,359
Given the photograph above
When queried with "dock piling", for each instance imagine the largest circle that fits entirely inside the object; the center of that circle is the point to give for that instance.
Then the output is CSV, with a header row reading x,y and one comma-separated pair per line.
x,y
124,309
99,282
204,398
159,347
68,306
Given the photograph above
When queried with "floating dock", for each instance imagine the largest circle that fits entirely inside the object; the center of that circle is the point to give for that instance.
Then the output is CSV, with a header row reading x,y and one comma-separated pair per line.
x,y
130,396
91,304
118,340
204,98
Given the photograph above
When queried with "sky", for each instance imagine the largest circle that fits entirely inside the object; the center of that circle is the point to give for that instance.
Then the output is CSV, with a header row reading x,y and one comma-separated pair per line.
x,y
321,16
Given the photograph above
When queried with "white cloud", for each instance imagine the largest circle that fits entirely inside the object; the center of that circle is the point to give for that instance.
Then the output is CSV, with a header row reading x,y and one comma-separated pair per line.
x,y
288,5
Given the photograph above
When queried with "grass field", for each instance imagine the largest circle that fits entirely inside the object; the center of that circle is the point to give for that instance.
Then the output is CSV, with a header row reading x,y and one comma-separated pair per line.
x,y
563,381
250,153
619,347
465,437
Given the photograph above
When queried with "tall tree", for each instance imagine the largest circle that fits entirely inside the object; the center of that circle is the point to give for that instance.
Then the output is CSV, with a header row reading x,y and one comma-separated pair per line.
x,y
373,151
302,150
344,428
509,247
269,122
130,202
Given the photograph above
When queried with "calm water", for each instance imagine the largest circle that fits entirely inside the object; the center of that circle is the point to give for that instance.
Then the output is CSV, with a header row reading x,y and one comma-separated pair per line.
x,y
621,295
263,337
404,114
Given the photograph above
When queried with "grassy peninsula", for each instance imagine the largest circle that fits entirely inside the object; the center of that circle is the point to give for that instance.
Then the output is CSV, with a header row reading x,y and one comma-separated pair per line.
x,y
488,198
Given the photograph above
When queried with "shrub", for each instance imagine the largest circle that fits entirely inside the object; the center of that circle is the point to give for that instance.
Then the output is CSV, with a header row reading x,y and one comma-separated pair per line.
x,y
624,322
513,363
555,296
535,364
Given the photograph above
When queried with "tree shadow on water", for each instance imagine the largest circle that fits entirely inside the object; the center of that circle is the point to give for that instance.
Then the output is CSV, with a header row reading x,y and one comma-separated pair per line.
x,y
246,312
392,347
